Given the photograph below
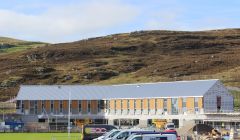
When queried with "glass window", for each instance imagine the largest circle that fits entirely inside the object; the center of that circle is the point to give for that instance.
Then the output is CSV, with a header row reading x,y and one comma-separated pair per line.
x,y
141,106
35,107
89,106
184,102
61,106
79,106
43,106
52,108
165,104
195,102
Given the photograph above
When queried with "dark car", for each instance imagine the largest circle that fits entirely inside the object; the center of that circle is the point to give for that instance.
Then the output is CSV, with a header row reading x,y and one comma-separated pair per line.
x,y
92,131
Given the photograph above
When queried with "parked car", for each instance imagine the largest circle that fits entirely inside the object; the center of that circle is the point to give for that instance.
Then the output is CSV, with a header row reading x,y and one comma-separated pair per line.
x,y
124,134
92,131
153,137
173,132
107,135
169,126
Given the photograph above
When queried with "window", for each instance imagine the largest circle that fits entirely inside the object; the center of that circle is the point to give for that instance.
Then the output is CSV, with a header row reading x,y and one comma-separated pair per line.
x,y
165,104
184,102
141,106
22,107
18,106
156,104
89,106
148,103
121,103
52,108
70,106
134,104
195,102
128,106
61,106
43,107
35,107
79,106
98,106
115,106
137,138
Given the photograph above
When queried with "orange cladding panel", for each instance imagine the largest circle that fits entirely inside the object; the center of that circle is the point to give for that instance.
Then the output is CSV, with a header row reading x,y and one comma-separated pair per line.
x,y
190,103
124,104
112,106
160,103
131,104
169,104
152,103
145,103
200,102
138,104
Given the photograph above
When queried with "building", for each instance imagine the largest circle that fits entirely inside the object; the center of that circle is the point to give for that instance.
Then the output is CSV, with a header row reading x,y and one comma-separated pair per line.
x,y
128,104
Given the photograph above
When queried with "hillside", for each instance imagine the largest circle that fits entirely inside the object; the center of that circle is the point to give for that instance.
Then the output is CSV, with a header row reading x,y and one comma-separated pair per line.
x,y
144,56
9,45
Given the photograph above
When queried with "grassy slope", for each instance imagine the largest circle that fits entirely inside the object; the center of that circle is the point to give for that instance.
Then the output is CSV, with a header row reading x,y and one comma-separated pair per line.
x,y
149,56
18,45
38,136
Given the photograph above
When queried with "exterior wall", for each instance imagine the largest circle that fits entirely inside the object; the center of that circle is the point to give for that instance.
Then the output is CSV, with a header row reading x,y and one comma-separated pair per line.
x,y
138,107
56,107
65,107
180,104
94,107
47,106
169,105
210,99
190,104
159,106
84,107
75,109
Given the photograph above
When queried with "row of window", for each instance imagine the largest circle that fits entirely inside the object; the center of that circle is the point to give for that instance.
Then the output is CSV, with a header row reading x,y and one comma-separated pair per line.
x,y
34,106
174,103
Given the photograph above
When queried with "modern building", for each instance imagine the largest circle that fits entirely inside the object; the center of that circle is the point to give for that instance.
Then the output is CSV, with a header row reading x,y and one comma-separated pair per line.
x,y
127,104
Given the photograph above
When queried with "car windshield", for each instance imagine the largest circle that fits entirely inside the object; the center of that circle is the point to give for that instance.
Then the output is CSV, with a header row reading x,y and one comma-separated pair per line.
x,y
109,133
170,126
113,134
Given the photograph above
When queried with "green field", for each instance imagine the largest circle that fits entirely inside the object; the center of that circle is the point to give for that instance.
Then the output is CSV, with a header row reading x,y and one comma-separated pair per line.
x,y
39,136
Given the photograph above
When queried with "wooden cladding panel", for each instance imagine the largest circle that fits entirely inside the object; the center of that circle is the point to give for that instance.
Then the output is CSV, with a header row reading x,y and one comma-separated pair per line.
x,y
39,104
190,103
200,102
84,106
180,102
118,104
94,106
131,104
112,104
138,104
47,105
75,104
124,104
26,104
152,103
159,103
145,103
169,104
65,105
56,106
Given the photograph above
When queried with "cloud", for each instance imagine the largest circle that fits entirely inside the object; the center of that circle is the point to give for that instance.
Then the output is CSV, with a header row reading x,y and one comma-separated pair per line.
x,y
68,22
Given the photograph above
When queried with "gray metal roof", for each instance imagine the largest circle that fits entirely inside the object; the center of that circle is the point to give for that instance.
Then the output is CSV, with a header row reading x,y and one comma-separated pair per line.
x,y
128,91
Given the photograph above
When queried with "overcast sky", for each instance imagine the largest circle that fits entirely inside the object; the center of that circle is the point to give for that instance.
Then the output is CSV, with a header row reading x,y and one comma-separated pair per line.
x,y
71,20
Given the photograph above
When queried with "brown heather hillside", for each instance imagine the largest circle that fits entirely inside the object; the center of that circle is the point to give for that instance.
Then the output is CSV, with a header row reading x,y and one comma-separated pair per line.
x,y
145,56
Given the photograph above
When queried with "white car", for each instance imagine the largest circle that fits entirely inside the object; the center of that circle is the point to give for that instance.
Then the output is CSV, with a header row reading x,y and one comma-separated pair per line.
x,y
170,126
108,135
153,137
124,134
